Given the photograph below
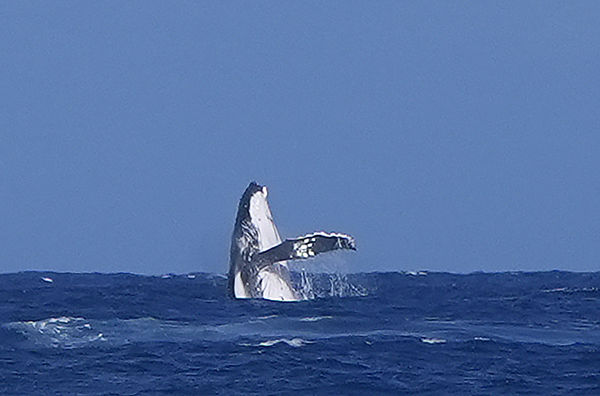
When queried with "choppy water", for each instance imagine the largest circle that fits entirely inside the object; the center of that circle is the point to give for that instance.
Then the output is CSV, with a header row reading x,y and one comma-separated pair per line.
x,y
376,333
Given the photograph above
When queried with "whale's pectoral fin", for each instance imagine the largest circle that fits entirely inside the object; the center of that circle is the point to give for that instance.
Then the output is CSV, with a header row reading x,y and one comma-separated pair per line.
x,y
306,246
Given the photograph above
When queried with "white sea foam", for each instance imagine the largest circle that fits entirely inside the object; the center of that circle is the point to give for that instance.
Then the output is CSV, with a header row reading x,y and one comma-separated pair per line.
x,y
433,340
570,290
315,318
555,290
294,342
49,280
64,331
267,317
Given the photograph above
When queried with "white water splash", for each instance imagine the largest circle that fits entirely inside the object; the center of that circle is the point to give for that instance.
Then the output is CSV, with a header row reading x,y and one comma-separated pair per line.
x,y
341,287
306,288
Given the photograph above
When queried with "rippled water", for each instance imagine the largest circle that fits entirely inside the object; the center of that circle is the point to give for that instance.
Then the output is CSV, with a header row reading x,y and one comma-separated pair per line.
x,y
373,333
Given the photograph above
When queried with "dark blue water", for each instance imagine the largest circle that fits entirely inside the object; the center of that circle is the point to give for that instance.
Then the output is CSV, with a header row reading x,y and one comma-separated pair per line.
x,y
377,333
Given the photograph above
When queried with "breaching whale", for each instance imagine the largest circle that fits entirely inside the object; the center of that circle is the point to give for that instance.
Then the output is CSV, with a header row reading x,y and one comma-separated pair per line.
x,y
258,257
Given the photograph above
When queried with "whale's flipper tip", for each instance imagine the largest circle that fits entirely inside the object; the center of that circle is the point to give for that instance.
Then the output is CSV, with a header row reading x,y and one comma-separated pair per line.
x,y
321,242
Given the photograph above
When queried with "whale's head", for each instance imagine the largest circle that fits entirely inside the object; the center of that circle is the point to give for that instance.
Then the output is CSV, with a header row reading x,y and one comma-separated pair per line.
x,y
254,209
259,206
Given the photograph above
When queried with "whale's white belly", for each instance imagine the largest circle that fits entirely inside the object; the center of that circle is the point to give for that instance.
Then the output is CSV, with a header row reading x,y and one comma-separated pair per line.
x,y
275,288
238,287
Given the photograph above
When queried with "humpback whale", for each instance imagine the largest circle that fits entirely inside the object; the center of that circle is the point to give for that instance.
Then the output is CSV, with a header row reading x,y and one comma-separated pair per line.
x,y
258,257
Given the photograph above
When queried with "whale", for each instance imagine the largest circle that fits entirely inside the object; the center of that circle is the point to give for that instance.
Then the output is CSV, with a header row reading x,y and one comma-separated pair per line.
x,y
258,261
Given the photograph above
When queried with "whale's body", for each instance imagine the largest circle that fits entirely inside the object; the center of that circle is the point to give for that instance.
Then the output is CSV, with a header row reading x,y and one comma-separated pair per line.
x,y
258,257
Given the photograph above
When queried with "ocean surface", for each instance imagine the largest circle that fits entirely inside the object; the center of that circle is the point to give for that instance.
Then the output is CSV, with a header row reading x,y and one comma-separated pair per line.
x,y
374,333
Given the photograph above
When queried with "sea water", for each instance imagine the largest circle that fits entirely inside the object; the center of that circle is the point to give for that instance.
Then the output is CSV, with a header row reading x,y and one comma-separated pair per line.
x,y
375,333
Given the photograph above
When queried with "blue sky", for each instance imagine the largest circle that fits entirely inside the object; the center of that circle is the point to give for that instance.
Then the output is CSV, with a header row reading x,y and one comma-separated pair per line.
x,y
445,136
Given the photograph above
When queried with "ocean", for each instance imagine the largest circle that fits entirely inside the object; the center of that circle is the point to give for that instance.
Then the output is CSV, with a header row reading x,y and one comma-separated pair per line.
x,y
360,334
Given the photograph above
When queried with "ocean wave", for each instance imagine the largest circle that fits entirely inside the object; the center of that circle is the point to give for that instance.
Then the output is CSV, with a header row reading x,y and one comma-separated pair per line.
x,y
115,309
